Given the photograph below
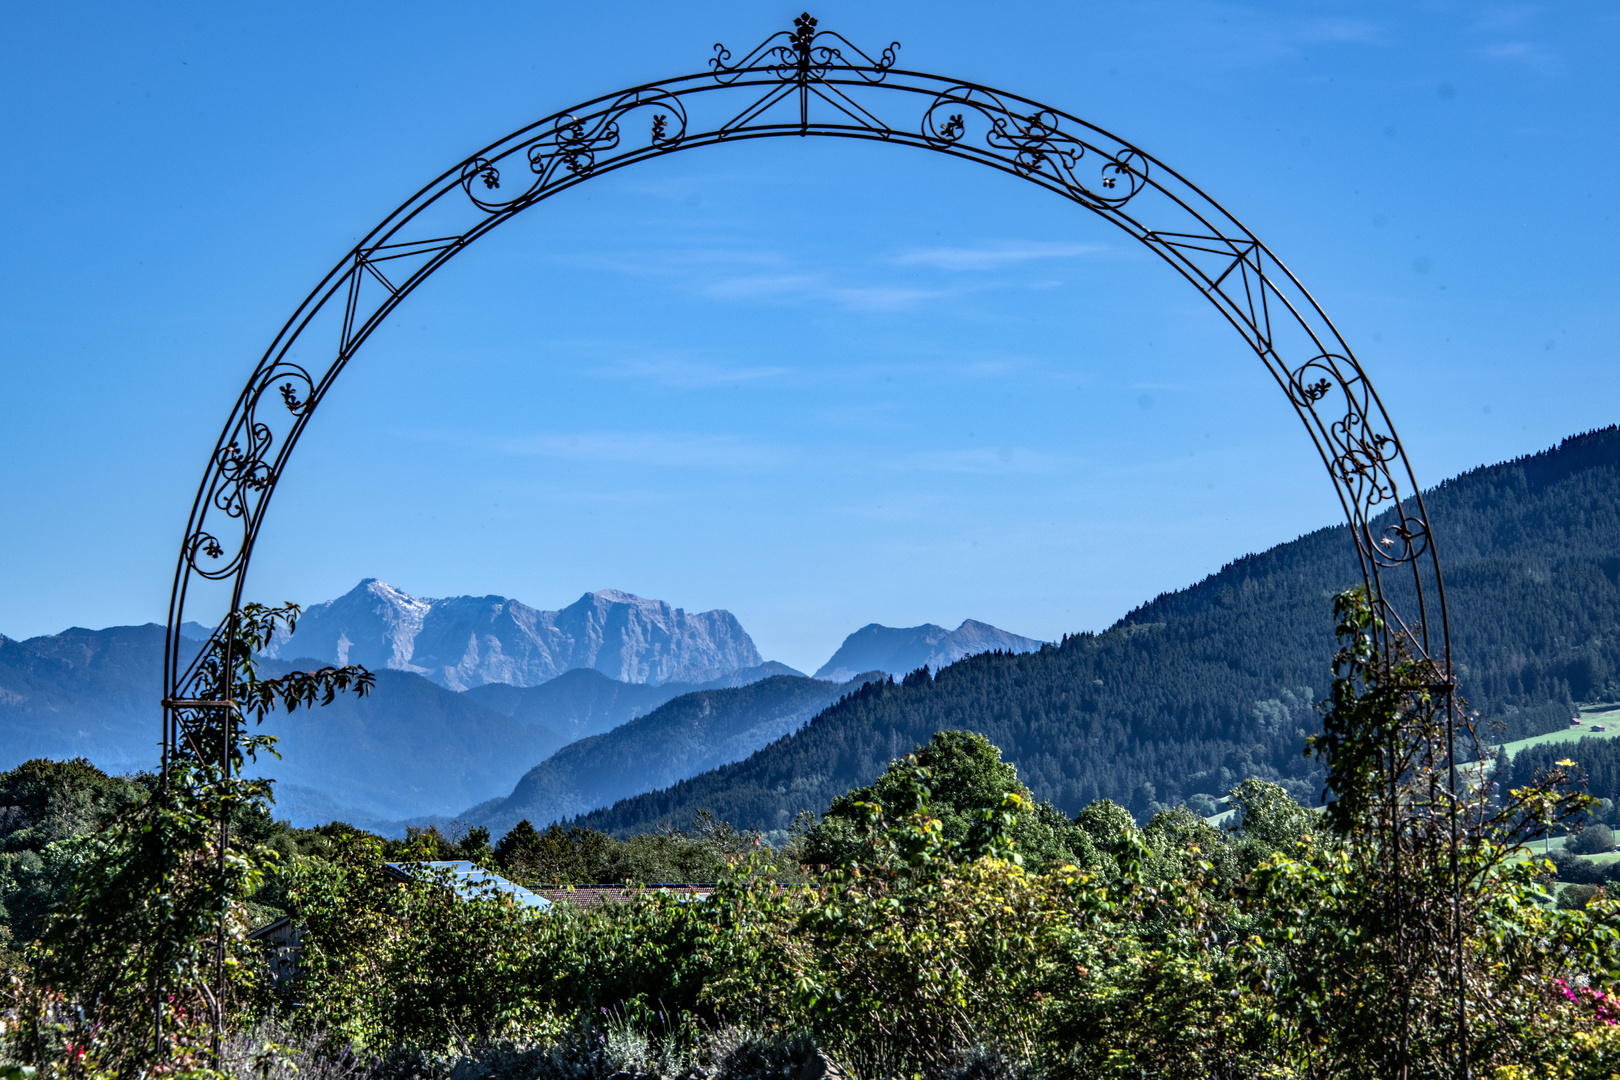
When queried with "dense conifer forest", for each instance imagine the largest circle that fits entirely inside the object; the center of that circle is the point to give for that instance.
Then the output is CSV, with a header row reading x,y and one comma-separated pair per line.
x,y
1596,769
1198,689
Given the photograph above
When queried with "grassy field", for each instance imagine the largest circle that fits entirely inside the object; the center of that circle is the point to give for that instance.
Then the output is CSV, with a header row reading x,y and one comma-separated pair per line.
x,y
1606,715
1609,717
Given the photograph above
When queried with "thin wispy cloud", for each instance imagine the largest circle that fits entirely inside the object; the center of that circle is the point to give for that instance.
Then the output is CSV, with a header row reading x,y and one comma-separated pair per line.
x,y
688,372
727,257
815,287
675,262
1507,17
1343,31
1528,53
756,286
994,256
650,449
1225,34
975,461
1510,25
776,277
883,297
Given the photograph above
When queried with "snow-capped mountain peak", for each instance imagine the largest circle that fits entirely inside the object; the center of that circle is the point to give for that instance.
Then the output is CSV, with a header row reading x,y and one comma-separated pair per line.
x,y
465,641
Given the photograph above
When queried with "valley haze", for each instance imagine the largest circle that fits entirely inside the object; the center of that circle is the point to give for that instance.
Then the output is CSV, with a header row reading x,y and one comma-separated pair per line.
x,y
471,693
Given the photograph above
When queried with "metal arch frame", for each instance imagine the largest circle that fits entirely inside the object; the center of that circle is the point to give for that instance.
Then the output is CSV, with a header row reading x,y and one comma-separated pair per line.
x,y
815,82
810,82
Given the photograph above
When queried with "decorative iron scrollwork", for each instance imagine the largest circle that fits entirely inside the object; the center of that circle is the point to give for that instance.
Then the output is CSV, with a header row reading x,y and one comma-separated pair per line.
x,y
296,387
571,147
1360,455
1035,145
1401,542
245,470
796,56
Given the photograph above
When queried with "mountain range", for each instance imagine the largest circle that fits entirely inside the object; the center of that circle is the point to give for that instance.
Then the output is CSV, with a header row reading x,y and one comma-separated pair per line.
x,y
1183,697
897,651
418,748
467,641
1198,689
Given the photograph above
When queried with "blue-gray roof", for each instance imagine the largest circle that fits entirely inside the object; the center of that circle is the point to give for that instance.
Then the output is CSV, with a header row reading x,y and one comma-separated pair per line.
x,y
469,881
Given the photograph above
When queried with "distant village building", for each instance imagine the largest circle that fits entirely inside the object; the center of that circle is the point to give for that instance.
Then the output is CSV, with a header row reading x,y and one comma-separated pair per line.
x,y
281,941
468,881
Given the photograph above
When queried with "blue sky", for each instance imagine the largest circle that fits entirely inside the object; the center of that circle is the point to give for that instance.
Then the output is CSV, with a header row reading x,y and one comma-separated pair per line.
x,y
816,383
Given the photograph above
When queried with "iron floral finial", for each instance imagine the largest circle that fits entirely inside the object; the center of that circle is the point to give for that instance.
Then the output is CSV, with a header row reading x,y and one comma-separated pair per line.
x,y
804,32
804,35
804,54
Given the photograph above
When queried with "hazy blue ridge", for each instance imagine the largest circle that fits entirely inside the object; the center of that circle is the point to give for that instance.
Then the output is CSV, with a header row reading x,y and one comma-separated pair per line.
x,y
586,702
83,693
680,738
410,748
899,650
305,807
1198,688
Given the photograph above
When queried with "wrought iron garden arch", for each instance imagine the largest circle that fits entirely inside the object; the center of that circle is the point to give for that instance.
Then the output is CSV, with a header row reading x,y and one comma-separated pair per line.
x,y
810,82
804,82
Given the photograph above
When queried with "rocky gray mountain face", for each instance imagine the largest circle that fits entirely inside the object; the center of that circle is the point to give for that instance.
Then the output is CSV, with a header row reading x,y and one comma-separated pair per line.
x,y
902,650
465,641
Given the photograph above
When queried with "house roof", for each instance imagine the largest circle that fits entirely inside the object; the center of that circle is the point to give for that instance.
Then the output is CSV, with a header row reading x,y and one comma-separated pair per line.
x,y
588,896
277,929
469,881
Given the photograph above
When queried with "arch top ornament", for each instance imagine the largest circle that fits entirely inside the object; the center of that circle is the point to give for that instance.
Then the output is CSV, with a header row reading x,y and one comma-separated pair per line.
x,y
805,82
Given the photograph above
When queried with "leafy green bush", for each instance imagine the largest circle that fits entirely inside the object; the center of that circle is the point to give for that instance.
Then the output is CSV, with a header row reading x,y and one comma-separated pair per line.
x,y
1592,840
1576,897
966,778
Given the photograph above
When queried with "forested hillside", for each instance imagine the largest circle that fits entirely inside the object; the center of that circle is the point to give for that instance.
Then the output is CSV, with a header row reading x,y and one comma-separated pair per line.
x,y
83,693
409,748
1197,689
1596,769
694,732
584,702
